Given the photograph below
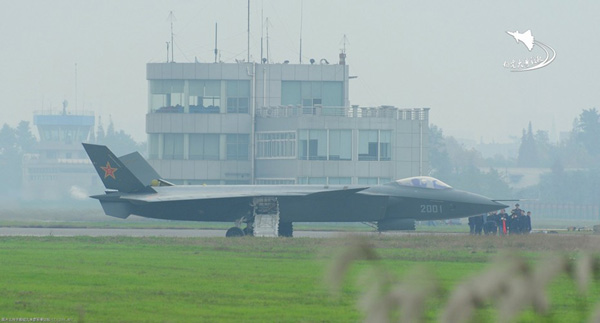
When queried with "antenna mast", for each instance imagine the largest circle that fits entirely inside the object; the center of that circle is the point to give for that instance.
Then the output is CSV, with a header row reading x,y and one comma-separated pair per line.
x,y
167,51
75,87
171,18
301,12
216,42
262,19
248,31
267,39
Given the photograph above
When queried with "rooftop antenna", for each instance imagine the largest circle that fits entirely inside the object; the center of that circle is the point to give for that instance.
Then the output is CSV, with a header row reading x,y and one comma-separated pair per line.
x,y
216,51
75,90
343,53
248,31
301,12
262,19
171,19
267,39
167,52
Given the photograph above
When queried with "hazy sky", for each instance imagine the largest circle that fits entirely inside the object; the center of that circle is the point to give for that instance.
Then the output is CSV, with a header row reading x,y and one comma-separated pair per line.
x,y
446,55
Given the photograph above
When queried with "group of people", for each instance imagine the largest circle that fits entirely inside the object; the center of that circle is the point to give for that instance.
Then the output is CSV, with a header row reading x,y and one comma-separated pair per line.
x,y
518,222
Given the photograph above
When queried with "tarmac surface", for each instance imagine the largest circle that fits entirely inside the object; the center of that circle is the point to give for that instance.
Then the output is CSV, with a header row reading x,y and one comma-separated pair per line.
x,y
181,233
190,233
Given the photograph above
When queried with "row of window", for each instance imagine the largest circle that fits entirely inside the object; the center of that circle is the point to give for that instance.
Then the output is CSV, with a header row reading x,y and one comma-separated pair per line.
x,y
67,134
322,144
206,96
201,96
201,147
306,144
311,93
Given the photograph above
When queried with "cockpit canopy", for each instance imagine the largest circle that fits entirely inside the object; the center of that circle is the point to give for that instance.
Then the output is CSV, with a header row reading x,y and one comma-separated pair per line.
x,y
424,182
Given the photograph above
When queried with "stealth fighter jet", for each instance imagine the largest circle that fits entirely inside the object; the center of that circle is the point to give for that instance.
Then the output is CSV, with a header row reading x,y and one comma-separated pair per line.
x,y
134,187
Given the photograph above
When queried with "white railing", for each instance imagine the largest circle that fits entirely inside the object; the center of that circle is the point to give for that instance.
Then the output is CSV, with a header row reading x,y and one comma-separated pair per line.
x,y
388,112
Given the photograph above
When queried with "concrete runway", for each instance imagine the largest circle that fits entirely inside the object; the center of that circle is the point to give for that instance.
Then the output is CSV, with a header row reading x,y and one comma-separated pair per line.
x,y
181,233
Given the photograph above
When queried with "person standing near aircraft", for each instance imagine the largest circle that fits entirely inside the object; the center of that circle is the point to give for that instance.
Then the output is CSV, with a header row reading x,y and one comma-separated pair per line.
x,y
479,224
502,216
526,223
515,217
472,225
492,223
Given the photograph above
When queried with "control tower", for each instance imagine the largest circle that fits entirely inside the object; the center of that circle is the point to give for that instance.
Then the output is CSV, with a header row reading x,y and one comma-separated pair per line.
x,y
59,169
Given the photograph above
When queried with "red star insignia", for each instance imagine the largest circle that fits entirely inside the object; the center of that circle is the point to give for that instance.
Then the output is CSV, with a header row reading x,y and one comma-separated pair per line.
x,y
109,171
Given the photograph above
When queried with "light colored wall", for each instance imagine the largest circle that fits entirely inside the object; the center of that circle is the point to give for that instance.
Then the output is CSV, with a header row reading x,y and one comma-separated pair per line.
x,y
408,159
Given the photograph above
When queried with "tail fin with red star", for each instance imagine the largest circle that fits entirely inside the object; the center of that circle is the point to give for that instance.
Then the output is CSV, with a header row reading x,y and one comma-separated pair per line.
x,y
113,172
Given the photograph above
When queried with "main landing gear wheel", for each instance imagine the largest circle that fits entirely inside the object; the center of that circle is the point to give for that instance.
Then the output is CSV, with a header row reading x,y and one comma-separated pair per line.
x,y
286,229
234,232
249,231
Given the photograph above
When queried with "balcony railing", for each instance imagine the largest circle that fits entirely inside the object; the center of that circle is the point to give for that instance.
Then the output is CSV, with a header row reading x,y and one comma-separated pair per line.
x,y
387,112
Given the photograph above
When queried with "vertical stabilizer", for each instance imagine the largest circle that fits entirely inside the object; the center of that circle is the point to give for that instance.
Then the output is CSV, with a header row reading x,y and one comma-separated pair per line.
x,y
113,172
140,168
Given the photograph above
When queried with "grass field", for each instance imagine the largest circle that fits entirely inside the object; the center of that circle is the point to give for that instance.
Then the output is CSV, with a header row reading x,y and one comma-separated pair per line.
x,y
109,279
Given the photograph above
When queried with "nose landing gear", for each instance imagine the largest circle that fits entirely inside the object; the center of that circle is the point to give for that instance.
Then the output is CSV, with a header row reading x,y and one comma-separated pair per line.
x,y
264,222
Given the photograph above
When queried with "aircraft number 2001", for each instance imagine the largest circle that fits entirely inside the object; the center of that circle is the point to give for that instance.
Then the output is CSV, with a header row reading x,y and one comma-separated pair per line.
x,y
431,208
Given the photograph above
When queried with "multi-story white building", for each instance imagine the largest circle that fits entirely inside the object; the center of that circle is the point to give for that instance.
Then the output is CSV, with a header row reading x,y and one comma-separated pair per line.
x,y
248,123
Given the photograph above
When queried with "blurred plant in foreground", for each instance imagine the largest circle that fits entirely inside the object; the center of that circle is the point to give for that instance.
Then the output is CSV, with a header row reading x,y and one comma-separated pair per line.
x,y
510,283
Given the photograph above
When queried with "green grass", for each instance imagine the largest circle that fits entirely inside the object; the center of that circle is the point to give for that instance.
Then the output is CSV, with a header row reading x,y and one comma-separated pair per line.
x,y
108,279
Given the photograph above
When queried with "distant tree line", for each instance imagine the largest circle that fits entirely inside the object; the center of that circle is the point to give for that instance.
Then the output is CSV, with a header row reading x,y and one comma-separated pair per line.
x,y
574,163
451,162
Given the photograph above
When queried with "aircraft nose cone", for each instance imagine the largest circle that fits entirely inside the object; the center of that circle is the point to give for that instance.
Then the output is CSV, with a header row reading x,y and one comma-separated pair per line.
x,y
487,205
473,204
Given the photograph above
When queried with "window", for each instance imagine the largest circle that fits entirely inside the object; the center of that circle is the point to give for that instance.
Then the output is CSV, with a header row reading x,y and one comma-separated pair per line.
x,y
237,182
311,93
340,144
291,93
238,96
173,146
237,146
275,181
367,180
312,180
339,180
166,96
312,144
276,145
317,144
333,94
385,145
367,145
373,180
205,96
374,145
204,147
153,146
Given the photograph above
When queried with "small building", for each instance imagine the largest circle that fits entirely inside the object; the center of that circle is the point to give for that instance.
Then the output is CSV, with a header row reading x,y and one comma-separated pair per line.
x,y
60,168
249,123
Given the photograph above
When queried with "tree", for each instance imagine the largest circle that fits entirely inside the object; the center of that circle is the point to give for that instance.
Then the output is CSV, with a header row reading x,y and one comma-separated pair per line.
x,y
110,130
25,140
452,163
587,131
10,159
528,155
438,155
100,131
121,143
